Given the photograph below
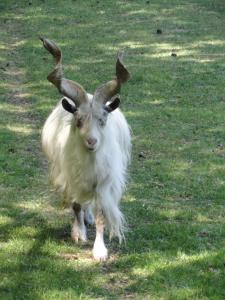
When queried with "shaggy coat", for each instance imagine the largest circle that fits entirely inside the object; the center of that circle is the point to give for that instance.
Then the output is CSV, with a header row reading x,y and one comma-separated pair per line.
x,y
87,141
86,177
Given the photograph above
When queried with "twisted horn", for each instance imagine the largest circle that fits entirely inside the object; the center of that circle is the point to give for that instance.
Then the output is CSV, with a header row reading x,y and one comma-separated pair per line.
x,y
66,87
108,90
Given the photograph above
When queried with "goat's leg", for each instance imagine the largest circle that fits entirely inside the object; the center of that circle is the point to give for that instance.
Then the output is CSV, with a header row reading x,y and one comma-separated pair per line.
x,y
88,215
79,228
99,251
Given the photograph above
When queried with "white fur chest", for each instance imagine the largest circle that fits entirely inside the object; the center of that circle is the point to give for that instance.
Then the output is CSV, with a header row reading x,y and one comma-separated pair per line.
x,y
84,172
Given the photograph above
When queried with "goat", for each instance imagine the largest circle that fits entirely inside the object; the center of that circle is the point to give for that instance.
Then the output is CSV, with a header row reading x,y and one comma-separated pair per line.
x,y
87,141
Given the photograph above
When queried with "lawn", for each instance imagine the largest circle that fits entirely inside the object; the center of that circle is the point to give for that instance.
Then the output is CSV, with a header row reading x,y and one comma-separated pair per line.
x,y
175,105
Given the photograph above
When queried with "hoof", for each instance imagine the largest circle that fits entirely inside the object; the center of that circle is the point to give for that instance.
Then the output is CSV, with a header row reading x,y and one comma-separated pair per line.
x,y
79,234
100,253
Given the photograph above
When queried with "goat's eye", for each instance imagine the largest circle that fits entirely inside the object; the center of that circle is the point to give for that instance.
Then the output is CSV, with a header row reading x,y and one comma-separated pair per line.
x,y
101,122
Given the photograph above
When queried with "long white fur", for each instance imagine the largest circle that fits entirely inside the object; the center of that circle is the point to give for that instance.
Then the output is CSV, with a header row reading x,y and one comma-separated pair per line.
x,y
96,178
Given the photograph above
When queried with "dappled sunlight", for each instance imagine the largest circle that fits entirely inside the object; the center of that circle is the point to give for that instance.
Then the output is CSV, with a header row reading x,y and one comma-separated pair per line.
x,y
209,42
180,266
21,129
167,54
174,213
19,43
23,95
7,108
37,44
216,167
3,47
17,245
34,206
218,129
132,44
179,166
42,83
174,203
25,232
164,262
189,51
14,72
136,12
129,198
135,114
43,207
205,219
155,102
7,85
5,219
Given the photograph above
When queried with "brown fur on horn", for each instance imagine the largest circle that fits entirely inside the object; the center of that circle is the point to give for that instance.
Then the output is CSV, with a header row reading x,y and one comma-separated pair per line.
x,y
106,91
66,87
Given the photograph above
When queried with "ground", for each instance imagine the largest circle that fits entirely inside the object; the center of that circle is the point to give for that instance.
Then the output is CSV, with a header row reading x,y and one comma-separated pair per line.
x,y
175,105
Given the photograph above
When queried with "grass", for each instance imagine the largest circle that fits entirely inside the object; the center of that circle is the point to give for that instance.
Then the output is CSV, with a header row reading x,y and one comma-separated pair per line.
x,y
175,244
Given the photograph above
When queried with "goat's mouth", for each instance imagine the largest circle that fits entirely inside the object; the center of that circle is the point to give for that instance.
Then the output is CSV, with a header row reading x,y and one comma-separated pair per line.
x,y
91,149
91,144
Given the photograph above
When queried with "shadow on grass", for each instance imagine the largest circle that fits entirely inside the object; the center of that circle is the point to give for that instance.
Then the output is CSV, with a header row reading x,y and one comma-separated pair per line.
x,y
149,261
35,267
203,270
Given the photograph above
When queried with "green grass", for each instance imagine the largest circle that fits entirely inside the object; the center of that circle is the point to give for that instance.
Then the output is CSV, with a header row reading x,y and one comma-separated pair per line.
x,y
175,243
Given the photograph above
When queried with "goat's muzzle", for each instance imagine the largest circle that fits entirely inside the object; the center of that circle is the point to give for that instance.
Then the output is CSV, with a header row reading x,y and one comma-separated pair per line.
x,y
91,143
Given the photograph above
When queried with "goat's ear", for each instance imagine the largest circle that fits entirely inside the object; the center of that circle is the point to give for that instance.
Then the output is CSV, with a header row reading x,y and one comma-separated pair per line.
x,y
68,107
113,105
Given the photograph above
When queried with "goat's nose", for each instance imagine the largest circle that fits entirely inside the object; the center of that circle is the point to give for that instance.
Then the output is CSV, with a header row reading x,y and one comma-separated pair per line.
x,y
91,141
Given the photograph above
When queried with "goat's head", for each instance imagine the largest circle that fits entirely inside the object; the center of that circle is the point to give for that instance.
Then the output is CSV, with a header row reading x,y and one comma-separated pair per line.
x,y
90,114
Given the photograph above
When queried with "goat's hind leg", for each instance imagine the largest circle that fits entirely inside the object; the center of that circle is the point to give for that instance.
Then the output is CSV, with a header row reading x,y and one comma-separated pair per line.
x,y
79,229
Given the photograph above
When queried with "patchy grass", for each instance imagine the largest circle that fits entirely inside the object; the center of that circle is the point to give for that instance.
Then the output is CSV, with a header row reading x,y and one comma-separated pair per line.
x,y
174,205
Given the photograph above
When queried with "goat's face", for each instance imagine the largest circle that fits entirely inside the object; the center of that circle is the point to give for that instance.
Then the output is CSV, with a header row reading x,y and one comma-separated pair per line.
x,y
90,120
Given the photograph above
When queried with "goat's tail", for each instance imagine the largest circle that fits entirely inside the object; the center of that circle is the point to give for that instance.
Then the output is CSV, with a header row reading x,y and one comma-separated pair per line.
x,y
115,220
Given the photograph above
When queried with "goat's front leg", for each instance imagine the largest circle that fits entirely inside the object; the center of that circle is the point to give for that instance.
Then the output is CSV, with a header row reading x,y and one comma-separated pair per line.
x,y
79,228
99,251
